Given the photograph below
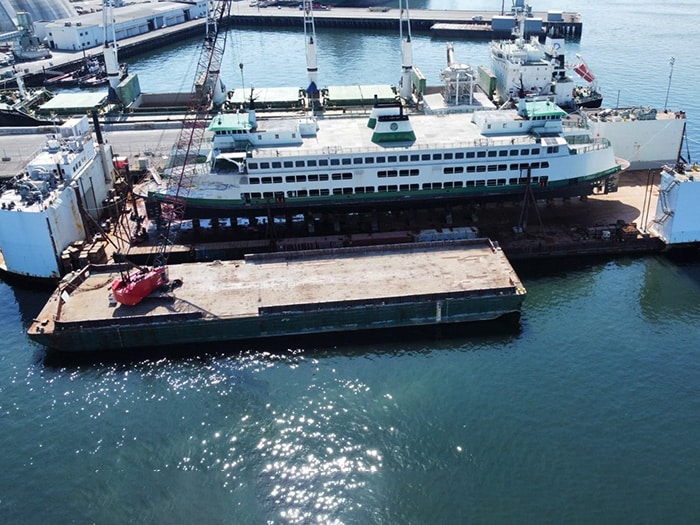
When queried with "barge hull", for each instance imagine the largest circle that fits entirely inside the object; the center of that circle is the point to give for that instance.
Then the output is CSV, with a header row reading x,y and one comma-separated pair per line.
x,y
290,294
176,331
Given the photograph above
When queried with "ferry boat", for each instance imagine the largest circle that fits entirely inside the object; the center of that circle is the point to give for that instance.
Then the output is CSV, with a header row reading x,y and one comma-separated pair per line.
x,y
390,159
45,209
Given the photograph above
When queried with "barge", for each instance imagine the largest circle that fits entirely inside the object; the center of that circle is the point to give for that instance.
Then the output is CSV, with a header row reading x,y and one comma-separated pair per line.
x,y
285,295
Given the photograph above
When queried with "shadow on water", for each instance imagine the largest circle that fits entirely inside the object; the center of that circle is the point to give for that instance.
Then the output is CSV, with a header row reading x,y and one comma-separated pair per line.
x,y
30,297
559,266
361,343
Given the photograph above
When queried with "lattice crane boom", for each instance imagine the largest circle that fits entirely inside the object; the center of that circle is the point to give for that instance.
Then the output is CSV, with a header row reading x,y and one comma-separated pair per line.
x,y
183,165
132,287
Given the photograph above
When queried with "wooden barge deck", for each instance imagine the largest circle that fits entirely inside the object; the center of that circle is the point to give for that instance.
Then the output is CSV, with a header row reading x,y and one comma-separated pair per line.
x,y
287,294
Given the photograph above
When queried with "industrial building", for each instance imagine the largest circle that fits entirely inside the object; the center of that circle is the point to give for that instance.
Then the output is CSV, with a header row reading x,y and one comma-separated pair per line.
x,y
86,31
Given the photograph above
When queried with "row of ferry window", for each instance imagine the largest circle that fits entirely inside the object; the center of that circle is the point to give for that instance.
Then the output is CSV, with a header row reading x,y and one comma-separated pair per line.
x,y
346,161
542,181
320,177
494,167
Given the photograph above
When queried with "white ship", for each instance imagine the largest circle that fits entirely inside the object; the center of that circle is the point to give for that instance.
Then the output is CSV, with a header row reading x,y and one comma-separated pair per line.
x,y
46,208
391,159
646,137
676,219
525,68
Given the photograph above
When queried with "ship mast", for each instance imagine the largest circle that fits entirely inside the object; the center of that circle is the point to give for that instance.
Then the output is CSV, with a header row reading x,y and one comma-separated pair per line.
x,y
110,48
405,84
311,59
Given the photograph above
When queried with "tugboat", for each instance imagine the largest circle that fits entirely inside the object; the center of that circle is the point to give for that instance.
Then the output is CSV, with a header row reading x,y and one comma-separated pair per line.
x,y
27,46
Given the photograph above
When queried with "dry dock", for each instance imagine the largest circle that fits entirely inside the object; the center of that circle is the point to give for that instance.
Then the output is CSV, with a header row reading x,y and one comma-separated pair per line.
x,y
288,294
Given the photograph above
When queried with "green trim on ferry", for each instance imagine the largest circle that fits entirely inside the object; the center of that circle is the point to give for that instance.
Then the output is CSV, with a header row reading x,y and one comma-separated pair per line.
x,y
508,189
398,136
372,122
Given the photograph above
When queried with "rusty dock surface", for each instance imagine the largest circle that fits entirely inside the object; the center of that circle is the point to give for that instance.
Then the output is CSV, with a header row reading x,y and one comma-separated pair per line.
x,y
282,295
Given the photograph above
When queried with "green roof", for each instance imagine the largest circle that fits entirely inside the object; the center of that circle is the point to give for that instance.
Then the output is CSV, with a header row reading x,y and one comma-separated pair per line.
x,y
229,121
264,97
79,102
543,108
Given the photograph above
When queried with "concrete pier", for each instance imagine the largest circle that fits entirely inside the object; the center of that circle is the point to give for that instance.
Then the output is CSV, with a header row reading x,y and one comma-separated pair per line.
x,y
465,23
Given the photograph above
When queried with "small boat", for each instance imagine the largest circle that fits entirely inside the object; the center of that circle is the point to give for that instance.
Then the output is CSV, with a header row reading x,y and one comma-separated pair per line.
x,y
100,78
97,80
89,67
17,107
15,117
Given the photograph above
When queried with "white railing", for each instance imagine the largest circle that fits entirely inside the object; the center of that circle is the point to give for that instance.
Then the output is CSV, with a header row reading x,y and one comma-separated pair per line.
x,y
271,152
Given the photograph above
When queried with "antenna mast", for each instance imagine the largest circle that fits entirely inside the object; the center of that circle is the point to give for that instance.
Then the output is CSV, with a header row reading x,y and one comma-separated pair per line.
x,y
670,74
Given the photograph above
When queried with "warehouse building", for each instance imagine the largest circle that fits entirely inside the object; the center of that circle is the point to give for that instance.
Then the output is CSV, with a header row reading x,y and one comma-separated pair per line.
x,y
86,31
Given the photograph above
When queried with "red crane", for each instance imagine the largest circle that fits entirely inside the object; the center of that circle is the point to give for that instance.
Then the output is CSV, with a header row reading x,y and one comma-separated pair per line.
x,y
135,284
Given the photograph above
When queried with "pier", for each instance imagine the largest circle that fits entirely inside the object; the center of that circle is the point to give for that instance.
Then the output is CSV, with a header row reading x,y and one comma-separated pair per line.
x,y
453,23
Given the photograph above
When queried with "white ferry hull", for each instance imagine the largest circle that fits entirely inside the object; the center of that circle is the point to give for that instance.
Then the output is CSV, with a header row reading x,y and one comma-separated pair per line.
x,y
223,206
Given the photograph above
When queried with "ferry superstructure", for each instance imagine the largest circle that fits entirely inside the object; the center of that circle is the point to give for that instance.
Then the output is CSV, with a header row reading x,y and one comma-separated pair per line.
x,y
646,137
391,159
46,208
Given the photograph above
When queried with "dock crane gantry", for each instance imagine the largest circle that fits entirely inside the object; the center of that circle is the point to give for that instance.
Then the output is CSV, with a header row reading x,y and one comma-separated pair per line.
x,y
133,285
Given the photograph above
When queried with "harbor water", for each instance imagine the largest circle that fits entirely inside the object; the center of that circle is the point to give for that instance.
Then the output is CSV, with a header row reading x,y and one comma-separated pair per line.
x,y
587,412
